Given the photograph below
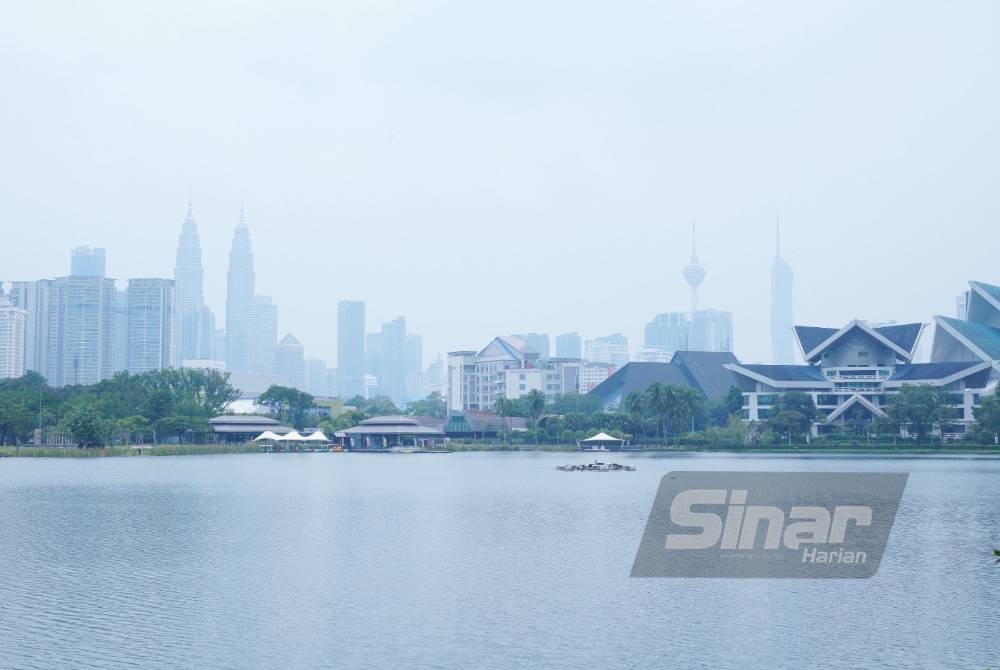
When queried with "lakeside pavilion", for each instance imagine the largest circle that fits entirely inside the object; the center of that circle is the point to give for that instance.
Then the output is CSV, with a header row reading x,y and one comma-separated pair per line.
x,y
385,432
237,428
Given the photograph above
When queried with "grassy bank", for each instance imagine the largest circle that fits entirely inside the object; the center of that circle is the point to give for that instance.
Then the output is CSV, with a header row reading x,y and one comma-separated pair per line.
x,y
800,450
151,450
803,449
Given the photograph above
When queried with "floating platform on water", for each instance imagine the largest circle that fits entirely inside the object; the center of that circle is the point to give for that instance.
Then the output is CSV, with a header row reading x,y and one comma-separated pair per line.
x,y
596,466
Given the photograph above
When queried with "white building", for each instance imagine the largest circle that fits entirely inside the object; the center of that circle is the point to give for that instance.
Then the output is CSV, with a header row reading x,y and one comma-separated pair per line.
x,y
13,322
151,325
592,374
711,330
506,368
611,349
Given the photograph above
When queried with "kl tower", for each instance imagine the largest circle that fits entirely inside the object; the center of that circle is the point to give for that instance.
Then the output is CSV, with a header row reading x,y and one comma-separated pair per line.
x,y
694,273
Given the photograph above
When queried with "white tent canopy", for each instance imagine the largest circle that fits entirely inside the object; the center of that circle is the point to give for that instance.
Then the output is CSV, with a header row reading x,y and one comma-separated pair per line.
x,y
318,436
603,437
267,435
292,436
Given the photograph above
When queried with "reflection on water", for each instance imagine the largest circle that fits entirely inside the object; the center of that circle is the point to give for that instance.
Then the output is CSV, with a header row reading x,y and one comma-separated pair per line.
x,y
460,560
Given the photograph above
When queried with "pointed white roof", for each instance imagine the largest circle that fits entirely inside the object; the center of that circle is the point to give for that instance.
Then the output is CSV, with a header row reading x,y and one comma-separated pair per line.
x,y
603,437
267,435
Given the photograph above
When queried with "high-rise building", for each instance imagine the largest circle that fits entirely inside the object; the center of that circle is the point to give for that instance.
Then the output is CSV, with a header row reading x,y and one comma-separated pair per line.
x,y
537,342
611,350
414,366
694,273
81,330
241,309
711,330
195,320
350,348
668,332
782,322
317,377
373,357
88,262
152,325
392,341
569,345
120,362
264,337
962,306
434,377
202,334
35,297
289,362
13,323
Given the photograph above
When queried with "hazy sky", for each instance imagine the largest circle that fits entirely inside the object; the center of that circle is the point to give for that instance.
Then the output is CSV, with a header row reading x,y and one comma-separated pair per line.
x,y
491,167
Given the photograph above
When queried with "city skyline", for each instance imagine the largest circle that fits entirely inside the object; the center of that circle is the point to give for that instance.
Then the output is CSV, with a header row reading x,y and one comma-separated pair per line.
x,y
185,266
436,159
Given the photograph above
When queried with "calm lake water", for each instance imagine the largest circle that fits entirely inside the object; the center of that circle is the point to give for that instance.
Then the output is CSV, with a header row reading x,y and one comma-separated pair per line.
x,y
458,561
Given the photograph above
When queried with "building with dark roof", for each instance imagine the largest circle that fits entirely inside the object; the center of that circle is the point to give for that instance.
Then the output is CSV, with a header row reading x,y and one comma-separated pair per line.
x,y
852,372
236,428
705,372
386,432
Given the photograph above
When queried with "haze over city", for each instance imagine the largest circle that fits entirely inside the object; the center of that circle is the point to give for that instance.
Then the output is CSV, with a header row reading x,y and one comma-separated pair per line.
x,y
492,168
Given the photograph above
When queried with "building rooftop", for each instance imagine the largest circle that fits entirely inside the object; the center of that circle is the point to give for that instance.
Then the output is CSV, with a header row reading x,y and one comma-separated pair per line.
x,y
811,337
932,371
983,337
707,370
787,373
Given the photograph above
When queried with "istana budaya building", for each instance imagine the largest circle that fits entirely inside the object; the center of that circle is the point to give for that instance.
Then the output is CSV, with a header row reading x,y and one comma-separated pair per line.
x,y
852,372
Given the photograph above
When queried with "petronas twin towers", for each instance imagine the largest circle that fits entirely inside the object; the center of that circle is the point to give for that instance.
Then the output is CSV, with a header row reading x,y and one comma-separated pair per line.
x,y
246,336
197,323
241,304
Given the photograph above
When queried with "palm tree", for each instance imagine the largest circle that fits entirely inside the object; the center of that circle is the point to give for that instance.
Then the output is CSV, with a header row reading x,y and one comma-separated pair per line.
x,y
535,401
681,406
635,405
657,403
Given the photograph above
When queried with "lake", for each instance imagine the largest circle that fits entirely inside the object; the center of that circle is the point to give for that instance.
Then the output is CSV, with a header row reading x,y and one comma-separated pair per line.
x,y
465,560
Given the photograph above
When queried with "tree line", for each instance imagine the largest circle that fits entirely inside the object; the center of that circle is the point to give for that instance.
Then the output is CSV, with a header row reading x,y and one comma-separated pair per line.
x,y
171,404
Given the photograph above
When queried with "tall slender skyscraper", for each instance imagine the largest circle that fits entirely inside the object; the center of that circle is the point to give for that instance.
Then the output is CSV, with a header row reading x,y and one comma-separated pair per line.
x,y
152,329
289,362
392,381
694,273
13,321
82,327
783,348
194,320
240,301
265,336
88,262
350,348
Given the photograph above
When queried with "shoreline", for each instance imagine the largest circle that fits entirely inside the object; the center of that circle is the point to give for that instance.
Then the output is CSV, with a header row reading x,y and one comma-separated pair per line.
x,y
216,450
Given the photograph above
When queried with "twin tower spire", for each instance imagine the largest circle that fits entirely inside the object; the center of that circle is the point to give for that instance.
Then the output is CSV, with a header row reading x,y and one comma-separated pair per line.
x,y
196,322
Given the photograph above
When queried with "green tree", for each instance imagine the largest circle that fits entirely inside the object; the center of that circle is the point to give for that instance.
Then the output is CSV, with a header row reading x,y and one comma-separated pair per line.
x,y
535,405
789,423
920,409
85,425
433,405
287,403
634,404
657,403
988,416
682,405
